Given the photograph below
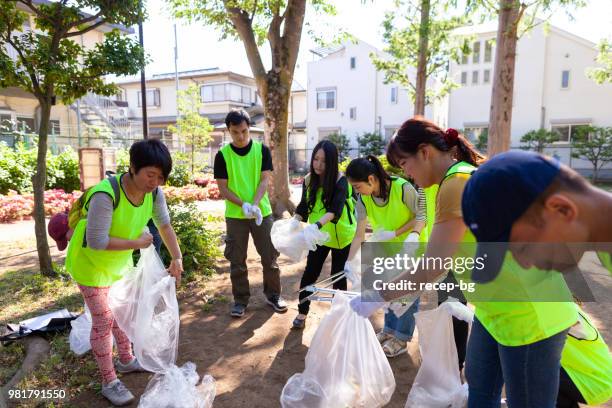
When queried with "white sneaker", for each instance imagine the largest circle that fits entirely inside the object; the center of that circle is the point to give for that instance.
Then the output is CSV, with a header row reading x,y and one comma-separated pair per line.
x,y
132,366
116,392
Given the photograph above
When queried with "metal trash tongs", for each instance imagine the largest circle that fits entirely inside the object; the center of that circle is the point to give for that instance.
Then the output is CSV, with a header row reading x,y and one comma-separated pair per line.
x,y
322,287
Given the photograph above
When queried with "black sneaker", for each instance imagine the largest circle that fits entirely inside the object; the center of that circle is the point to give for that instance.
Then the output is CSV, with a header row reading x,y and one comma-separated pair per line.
x,y
238,310
277,303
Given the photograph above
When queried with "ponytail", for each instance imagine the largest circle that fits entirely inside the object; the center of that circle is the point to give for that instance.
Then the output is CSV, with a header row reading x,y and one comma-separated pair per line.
x,y
417,131
361,168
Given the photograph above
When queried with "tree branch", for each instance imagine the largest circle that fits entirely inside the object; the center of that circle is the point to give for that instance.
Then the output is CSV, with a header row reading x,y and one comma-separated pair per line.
x,y
35,84
244,27
292,31
85,30
31,6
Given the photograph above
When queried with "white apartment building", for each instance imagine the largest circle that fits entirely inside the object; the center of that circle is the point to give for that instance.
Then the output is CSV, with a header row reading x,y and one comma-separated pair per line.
x,y
347,95
551,89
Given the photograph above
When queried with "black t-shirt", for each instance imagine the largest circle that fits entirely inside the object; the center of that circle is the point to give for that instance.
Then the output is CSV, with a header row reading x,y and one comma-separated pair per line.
x,y
220,169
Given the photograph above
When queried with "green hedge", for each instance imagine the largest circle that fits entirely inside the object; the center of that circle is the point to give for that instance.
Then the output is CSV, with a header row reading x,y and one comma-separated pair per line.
x,y
18,165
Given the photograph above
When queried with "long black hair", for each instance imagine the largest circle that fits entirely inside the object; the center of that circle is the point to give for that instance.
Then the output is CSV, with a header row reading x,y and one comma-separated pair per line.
x,y
361,168
328,183
417,131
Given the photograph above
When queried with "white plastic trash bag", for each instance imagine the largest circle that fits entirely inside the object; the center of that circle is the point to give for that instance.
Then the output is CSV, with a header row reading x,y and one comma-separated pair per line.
x,y
288,238
179,387
144,306
80,333
345,365
438,383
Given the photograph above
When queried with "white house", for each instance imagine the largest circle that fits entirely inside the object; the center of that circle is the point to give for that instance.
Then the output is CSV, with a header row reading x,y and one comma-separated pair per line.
x,y
551,89
347,95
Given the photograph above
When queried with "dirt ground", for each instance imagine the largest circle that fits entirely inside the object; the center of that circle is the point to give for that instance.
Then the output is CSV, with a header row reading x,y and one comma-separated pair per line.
x,y
252,358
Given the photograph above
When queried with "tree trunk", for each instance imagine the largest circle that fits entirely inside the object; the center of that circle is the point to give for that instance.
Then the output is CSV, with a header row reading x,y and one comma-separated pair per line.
x,y
500,119
421,79
277,114
38,182
595,173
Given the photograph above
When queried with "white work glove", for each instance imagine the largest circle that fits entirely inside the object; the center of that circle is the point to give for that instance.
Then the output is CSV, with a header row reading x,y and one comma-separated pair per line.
x,y
247,209
411,243
367,303
382,235
295,223
312,236
256,212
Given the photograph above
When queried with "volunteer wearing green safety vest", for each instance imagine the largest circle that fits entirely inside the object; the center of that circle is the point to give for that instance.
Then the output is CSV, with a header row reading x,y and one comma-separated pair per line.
x,y
552,219
243,169
396,213
108,230
328,205
518,344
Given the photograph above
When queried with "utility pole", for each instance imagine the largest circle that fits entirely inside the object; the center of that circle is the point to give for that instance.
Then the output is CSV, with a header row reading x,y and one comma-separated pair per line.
x,y
143,86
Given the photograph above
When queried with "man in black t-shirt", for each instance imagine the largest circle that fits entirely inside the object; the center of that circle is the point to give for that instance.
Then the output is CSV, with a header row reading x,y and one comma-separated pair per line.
x,y
242,170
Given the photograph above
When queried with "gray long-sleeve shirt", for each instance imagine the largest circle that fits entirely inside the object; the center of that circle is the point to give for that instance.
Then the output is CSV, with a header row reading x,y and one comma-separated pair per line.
x,y
100,216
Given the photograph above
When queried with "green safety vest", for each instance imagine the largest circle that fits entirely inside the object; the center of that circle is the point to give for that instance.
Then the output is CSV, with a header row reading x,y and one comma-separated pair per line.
x,y
342,231
243,177
100,268
606,260
588,362
517,323
393,214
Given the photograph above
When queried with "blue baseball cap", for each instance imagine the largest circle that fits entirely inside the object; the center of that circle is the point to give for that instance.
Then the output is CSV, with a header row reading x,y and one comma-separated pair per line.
x,y
496,195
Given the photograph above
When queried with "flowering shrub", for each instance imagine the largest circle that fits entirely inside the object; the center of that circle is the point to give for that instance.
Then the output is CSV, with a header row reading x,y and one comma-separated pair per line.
x,y
14,207
186,194
203,179
213,190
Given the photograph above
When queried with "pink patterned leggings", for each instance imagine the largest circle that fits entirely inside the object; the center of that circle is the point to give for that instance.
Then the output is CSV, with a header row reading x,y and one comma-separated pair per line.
x,y
102,325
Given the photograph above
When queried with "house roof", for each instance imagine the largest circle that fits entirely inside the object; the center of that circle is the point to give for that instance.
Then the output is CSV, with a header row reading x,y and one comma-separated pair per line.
x,y
325,51
196,73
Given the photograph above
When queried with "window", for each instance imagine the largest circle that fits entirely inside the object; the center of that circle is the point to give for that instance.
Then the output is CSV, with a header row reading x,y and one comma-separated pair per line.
x,y
6,124
464,78
476,53
353,113
152,97
226,92
475,132
464,59
246,95
565,77
486,76
567,132
326,99
394,91
353,62
488,56
474,77
389,132
54,127
325,132
26,125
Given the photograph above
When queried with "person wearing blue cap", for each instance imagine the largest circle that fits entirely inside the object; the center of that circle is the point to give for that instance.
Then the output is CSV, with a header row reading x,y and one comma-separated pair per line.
x,y
516,343
533,206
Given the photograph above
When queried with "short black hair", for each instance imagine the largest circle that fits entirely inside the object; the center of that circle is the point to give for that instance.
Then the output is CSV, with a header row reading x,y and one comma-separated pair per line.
x,y
236,117
151,152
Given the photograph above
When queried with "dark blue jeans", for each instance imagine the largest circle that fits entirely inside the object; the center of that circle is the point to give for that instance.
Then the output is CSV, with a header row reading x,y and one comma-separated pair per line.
x,y
530,372
401,327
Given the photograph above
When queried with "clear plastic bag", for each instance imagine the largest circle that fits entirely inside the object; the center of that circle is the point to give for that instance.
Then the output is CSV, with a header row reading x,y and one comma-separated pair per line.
x,y
80,333
345,365
438,382
288,238
144,306
178,387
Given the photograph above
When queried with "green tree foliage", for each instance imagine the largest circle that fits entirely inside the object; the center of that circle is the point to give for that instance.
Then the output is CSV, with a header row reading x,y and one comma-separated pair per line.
x,y
371,143
537,140
594,144
603,73
342,144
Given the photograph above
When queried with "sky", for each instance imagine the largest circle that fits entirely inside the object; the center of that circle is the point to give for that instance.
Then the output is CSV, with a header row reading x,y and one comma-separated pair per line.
x,y
199,46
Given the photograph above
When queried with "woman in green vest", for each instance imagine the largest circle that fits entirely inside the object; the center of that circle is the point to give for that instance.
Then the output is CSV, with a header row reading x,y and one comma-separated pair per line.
x,y
328,205
100,251
396,213
516,344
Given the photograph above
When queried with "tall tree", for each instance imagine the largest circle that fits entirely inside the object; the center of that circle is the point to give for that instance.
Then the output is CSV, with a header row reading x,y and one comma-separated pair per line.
x,y
511,14
192,128
603,73
420,38
280,23
594,144
52,66
537,140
